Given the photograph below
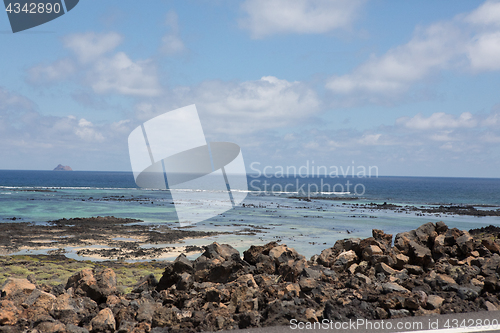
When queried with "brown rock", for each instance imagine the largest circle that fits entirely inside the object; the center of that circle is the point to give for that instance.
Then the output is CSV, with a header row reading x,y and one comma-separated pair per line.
x,y
252,255
421,255
439,245
311,315
352,269
490,306
13,286
402,241
465,243
142,328
434,302
183,265
384,268
412,302
441,227
344,260
491,245
307,284
85,284
185,282
247,280
164,317
8,313
147,283
220,251
401,260
364,278
327,257
293,288
413,269
390,287
51,327
40,299
451,236
426,233
443,279
104,321
370,251
382,237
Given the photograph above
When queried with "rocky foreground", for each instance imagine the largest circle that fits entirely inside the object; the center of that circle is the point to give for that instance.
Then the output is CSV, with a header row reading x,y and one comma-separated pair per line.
x,y
430,270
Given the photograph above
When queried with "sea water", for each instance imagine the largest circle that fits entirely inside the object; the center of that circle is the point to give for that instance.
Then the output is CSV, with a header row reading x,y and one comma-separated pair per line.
x,y
307,213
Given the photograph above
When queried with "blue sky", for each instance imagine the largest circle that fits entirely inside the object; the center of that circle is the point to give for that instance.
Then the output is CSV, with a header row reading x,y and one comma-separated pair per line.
x,y
410,87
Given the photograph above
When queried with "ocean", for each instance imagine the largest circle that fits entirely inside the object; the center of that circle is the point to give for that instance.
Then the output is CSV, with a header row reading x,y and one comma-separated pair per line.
x,y
286,209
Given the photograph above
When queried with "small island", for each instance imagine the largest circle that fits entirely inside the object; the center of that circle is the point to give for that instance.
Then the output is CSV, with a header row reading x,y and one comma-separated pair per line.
x,y
61,167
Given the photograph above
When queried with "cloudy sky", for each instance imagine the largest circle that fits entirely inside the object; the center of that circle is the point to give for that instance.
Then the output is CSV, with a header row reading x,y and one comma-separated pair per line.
x,y
410,87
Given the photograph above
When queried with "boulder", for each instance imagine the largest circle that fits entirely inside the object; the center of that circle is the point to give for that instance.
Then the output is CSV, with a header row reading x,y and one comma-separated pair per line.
x,y
40,299
165,317
146,283
401,260
444,280
95,285
70,328
344,260
182,264
185,282
51,327
491,245
14,286
371,251
253,254
8,313
71,310
434,302
441,227
218,251
414,269
390,287
386,269
420,255
382,237
426,233
465,243
146,311
490,306
307,284
103,322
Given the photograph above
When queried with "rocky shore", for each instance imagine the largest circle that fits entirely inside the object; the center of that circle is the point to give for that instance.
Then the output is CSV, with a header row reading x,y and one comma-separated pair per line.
x,y
432,210
121,238
430,270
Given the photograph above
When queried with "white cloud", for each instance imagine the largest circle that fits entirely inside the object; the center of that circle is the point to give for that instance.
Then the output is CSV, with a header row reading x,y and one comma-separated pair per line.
x,y
487,14
431,48
267,17
90,46
438,120
105,73
13,103
57,71
466,42
484,52
171,42
119,74
242,107
86,131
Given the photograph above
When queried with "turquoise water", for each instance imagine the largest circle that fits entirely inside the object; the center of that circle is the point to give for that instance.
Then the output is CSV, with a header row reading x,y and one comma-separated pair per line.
x,y
40,196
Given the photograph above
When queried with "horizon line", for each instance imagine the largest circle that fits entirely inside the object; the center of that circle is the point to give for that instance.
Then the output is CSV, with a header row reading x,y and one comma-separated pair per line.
x,y
248,173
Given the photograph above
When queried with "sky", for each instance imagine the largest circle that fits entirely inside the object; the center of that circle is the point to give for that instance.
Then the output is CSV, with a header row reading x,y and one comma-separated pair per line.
x,y
411,87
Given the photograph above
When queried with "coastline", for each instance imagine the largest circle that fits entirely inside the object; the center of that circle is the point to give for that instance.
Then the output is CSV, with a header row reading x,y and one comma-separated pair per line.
x,y
428,271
